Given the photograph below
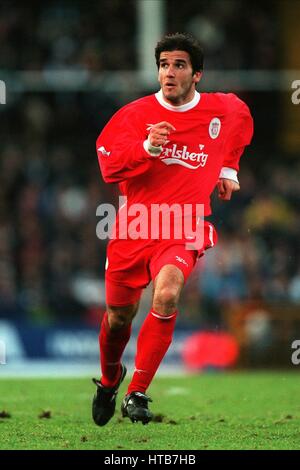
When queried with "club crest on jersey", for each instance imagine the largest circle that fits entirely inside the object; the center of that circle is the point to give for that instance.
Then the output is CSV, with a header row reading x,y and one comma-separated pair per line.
x,y
214,127
181,156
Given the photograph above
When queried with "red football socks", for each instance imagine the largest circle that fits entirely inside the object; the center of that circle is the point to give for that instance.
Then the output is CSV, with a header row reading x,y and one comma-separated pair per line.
x,y
153,342
112,344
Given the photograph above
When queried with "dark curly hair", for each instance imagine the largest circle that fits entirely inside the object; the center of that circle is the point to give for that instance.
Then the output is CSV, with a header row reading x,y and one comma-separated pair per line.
x,y
181,42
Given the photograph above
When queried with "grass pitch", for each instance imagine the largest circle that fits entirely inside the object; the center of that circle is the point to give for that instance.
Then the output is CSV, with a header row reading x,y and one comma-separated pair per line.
x,y
208,411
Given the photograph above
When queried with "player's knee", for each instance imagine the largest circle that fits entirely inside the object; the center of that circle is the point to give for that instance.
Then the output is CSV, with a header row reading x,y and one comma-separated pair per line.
x,y
120,317
165,300
117,321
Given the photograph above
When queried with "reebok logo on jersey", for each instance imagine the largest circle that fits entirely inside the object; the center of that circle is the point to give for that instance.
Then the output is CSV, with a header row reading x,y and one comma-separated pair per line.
x,y
177,156
103,151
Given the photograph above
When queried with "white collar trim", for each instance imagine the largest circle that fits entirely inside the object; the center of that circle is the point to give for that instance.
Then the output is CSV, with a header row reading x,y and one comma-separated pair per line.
x,y
183,107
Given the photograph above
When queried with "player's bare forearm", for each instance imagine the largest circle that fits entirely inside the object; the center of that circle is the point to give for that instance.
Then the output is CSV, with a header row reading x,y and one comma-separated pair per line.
x,y
226,187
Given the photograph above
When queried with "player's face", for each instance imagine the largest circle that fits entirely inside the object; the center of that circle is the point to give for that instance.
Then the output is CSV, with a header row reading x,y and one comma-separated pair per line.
x,y
176,77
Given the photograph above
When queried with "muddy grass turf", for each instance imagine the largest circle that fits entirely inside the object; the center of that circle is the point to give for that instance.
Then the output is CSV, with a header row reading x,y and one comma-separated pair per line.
x,y
208,411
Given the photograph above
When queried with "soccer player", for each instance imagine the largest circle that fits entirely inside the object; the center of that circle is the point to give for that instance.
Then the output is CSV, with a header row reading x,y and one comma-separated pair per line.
x,y
171,147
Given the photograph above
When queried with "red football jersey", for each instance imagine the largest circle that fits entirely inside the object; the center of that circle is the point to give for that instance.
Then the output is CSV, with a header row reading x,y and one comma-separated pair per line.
x,y
211,133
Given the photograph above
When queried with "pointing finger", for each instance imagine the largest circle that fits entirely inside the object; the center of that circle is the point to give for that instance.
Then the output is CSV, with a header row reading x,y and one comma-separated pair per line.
x,y
163,124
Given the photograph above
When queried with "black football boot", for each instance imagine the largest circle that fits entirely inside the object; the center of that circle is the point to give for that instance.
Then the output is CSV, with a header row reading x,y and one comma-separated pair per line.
x,y
104,401
135,407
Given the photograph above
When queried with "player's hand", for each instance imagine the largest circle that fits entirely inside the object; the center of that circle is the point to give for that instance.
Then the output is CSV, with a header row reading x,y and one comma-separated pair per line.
x,y
159,133
226,188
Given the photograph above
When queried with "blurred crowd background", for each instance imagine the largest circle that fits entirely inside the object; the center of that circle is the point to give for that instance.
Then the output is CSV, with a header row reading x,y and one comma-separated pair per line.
x,y
100,36
51,262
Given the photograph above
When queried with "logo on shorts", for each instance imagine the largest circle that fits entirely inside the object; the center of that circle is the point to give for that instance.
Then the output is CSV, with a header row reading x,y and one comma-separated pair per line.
x,y
181,260
214,127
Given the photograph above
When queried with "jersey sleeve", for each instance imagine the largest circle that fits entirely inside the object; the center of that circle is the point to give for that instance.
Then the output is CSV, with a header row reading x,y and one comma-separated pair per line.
x,y
120,149
240,131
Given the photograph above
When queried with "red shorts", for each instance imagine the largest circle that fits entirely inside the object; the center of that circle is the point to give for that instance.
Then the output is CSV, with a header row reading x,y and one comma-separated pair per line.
x,y
132,264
